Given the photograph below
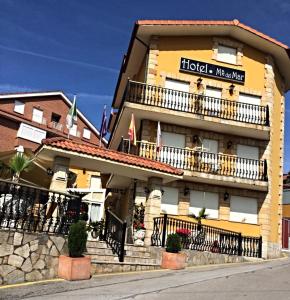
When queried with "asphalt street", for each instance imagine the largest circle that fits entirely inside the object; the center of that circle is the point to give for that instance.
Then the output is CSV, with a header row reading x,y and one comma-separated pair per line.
x,y
263,280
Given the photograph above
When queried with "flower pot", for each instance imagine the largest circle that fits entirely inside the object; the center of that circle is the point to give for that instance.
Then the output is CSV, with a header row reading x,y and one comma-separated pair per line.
x,y
139,236
173,261
74,268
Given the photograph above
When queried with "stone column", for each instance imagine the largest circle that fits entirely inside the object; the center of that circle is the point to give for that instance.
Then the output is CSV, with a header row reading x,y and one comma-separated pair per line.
x,y
153,206
60,175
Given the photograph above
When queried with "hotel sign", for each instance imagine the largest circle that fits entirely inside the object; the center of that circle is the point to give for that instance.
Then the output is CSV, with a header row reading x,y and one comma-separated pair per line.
x,y
206,69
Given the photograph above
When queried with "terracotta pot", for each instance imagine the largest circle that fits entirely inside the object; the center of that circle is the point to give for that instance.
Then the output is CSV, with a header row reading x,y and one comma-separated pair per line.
x,y
74,268
173,261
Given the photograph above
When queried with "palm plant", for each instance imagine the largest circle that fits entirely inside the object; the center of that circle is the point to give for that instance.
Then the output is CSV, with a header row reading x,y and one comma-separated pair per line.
x,y
201,215
19,163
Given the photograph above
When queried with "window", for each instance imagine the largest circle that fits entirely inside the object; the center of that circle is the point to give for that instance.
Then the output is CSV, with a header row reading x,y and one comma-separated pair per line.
x,y
248,111
37,115
19,107
177,97
95,212
248,168
209,200
244,209
95,182
170,155
212,103
73,130
87,133
210,160
227,54
31,133
55,118
169,201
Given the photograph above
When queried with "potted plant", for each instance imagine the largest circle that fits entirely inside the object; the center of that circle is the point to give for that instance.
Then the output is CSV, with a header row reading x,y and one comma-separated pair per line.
x,y
184,234
75,266
171,258
139,233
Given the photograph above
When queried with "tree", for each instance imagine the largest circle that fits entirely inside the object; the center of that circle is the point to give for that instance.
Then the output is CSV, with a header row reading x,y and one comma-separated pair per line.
x,y
201,215
19,163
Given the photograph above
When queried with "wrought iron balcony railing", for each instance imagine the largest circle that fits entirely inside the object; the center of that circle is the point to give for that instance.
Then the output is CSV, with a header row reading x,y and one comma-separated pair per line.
x,y
200,161
151,95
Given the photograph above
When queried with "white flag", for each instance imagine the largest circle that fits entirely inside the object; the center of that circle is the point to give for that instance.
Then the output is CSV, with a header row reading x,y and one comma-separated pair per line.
x,y
158,138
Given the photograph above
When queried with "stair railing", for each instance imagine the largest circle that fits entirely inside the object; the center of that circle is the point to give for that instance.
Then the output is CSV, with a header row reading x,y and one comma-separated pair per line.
x,y
115,234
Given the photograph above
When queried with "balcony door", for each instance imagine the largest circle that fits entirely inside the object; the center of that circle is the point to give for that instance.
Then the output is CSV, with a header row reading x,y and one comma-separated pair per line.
x,y
212,102
176,95
248,111
209,155
172,151
248,161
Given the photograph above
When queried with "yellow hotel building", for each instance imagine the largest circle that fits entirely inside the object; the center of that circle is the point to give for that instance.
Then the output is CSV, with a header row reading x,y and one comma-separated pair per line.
x,y
217,89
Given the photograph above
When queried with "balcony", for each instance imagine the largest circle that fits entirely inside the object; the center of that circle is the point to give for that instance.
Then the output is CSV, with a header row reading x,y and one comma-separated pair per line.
x,y
216,168
195,110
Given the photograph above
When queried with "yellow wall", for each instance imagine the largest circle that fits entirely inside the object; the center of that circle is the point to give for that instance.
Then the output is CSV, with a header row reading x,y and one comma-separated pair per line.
x,y
171,49
83,178
245,229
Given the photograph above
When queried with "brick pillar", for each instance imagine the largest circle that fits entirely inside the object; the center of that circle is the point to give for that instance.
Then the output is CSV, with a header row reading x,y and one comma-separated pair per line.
x,y
59,178
152,207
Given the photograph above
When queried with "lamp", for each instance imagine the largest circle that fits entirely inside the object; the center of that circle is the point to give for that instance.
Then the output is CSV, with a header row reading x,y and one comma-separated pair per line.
x,y
231,89
198,82
229,144
186,191
49,172
226,196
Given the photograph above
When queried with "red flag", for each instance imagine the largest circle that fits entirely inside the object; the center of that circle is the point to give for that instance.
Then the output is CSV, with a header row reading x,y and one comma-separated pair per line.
x,y
132,131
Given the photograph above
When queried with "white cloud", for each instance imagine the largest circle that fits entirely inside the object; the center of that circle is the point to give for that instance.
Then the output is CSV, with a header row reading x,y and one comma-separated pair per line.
x,y
10,88
64,60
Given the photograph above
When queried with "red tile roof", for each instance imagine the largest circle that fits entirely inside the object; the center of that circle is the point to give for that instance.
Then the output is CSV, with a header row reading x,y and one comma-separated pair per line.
x,y
113,155
212,22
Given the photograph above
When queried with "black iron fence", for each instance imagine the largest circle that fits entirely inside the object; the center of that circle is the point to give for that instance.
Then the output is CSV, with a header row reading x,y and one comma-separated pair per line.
x,y
200,161
142,93
115,234
36,209
205,238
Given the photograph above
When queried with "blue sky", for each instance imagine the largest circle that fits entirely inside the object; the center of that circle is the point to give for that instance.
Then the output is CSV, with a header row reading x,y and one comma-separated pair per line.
x,y
77,46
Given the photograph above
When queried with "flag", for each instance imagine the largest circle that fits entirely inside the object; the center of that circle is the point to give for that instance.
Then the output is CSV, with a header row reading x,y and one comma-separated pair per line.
x,y
104,128
158,138
71,117
132,131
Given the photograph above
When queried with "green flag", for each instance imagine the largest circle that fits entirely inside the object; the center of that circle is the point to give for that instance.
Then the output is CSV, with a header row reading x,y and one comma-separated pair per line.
x,y
71,117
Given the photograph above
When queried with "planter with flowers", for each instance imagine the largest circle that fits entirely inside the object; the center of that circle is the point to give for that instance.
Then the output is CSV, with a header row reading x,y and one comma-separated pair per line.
x,y
139,234
75,266
184,234
171,258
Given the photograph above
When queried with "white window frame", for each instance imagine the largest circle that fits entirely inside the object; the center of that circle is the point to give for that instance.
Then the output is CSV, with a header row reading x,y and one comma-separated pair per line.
x,y
31,133
99,183
208,200
170,207
227,54
244,212
86,133
19,107
37,115
73,130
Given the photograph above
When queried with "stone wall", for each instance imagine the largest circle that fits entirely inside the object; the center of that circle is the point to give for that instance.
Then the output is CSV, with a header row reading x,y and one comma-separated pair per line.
x,y
29,256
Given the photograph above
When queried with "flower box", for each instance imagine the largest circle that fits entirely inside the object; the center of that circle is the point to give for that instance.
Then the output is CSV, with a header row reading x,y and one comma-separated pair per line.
x,y
173,261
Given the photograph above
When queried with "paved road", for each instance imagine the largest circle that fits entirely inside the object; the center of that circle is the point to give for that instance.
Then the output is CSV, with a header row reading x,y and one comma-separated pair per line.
x,y
267,280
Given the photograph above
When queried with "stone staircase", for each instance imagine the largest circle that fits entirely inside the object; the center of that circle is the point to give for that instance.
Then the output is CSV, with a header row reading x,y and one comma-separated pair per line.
x,y
136,258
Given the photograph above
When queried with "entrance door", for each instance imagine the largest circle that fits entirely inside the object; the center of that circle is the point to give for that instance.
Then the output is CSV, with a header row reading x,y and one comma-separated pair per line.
x,y
176,96
212,101
248,162
172,151
249,113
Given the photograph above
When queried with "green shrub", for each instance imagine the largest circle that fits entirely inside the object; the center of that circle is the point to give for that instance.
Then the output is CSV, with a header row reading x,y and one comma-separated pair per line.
x,y
77,239
173,243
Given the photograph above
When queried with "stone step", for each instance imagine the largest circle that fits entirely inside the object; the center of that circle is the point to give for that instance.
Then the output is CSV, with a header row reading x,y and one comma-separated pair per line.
x,y
140,260
103,267
99,251
97,244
